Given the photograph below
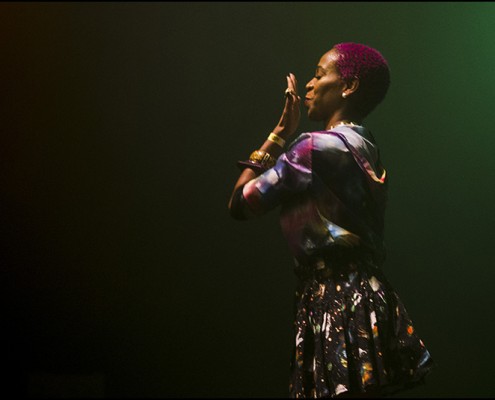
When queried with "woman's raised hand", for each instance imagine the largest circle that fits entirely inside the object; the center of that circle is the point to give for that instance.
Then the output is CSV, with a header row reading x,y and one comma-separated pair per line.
x,y
291,115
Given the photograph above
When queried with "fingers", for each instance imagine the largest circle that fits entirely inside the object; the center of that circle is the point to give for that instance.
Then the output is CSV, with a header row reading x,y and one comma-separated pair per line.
x,y
291,91
291,109
290,116
293,82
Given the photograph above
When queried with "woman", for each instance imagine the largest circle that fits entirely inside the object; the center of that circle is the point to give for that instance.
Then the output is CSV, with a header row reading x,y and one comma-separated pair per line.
x,y
353,336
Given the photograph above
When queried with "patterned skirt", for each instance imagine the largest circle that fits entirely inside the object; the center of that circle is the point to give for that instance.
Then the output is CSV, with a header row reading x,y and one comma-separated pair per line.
x,y
352,334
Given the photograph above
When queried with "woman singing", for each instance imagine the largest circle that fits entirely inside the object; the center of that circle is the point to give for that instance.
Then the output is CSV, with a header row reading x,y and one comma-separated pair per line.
x,y
352,334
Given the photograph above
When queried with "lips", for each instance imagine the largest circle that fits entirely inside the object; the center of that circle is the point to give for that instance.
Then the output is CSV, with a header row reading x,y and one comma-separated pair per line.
x,y
307,100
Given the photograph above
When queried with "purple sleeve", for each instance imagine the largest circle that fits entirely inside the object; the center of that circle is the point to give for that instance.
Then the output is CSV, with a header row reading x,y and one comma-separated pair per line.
x,y
290,175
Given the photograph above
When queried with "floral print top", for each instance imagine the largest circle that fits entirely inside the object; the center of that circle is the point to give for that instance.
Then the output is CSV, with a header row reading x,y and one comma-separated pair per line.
x,y
326,199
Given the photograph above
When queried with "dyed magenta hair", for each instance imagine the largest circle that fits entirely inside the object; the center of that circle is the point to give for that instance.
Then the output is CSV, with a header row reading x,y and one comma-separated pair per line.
x,y
370,67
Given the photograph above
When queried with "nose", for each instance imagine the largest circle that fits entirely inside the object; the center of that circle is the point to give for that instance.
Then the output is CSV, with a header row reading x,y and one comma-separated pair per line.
x,y
309,85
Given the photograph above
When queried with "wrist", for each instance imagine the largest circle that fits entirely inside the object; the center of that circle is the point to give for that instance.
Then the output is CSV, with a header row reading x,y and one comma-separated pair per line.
x,y
259,161
277,139
282,133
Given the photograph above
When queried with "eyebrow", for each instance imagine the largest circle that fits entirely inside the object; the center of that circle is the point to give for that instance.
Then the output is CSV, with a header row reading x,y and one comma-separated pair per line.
x,y
320,68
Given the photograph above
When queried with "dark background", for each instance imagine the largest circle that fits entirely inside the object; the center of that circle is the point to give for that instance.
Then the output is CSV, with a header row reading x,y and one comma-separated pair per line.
x,y
121,123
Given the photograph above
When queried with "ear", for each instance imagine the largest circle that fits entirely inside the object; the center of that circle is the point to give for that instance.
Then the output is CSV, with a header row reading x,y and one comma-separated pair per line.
x,y
351,87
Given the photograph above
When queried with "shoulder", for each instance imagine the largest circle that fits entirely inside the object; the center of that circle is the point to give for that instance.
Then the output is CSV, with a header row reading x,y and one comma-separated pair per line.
x,y
304,139
351,136
317,140
301,146
298,152
328,142
310,146
359,140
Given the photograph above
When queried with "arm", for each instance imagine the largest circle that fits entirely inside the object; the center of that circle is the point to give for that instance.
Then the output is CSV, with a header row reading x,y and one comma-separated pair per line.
x,y
285,128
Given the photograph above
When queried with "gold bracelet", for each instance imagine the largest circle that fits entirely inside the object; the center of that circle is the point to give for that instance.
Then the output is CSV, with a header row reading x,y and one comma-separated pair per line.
x,y
272,137
263,158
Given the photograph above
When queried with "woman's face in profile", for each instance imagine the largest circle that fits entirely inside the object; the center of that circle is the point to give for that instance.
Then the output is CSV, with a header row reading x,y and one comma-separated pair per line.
x,y
324,90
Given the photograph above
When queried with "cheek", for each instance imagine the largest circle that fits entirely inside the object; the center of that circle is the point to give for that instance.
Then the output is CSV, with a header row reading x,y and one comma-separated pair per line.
x,y
327,89
327,95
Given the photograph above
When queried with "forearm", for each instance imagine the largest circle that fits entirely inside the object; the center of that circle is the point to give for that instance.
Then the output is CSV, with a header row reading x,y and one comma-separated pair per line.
x,y
274,144
272,148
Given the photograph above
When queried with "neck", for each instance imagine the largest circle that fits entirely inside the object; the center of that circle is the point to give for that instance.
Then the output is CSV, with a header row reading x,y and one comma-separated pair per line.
x,y
343,122
342,119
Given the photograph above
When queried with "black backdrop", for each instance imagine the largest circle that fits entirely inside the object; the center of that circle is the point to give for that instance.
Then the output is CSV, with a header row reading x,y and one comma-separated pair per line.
x,y
123,274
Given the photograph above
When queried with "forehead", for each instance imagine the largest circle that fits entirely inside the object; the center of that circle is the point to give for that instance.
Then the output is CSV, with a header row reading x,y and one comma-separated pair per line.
x,y
328,60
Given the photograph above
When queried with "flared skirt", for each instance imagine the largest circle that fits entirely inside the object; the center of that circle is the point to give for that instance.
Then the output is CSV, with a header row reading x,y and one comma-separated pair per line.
x,y
352,334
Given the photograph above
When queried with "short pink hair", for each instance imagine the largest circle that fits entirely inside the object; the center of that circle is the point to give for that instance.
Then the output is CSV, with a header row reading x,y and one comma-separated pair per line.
x,y
370,67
